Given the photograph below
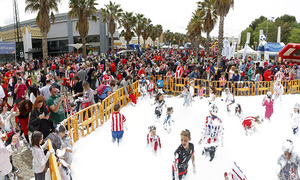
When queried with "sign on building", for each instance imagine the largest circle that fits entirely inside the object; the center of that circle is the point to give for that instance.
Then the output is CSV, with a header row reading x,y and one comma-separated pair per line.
x,y
7,48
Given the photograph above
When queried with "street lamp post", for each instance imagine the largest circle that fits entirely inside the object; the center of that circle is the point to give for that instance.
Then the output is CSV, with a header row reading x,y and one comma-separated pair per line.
x,y
268,26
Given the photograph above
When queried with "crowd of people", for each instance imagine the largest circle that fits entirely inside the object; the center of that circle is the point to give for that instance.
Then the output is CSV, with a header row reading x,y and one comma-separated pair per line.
x,y
42,98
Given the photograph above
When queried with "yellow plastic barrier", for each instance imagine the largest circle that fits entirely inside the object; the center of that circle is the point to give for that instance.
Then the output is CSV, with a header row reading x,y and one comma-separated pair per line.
x,y
54,173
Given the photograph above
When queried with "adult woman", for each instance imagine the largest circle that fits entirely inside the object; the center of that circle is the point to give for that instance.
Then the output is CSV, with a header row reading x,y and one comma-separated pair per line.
x,y
34,93
39,118
231,72
25,108
88,95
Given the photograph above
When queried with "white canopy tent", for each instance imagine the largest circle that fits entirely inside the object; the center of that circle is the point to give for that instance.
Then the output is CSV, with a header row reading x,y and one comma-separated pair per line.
x,y
249,52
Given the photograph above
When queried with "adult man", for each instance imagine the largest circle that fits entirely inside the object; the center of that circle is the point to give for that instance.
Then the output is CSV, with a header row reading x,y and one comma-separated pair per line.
x,y
77,90
44,91
267,74
82,74
56,104
20,89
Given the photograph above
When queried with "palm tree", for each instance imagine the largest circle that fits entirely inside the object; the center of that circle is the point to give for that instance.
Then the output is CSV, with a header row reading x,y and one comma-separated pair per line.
x,y
206,7
128,22
195,26
153,32
159,32
83,10
146,31
171,38
222,8
167,35
177,38
43,9
141,20
111,14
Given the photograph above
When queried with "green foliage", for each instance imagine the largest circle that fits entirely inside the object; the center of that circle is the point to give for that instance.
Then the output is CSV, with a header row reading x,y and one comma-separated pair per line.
x,y
286,22
294,36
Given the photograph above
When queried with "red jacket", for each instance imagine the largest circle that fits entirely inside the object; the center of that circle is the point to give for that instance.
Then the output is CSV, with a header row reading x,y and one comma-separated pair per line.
x,y
267,75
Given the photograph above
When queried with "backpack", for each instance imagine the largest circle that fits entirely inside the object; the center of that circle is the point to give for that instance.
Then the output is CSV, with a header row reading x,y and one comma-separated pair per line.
x,y
100,89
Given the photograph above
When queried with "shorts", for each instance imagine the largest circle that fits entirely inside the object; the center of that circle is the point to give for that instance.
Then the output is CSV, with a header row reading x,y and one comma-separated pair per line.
x,y
117,134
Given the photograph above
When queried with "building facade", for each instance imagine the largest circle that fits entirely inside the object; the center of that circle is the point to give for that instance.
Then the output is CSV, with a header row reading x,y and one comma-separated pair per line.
x,y
62,33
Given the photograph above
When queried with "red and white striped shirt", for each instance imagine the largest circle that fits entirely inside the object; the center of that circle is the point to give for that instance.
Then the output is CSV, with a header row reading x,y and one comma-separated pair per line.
x,y
279,75
179,71
107,79
154,141
117,122
222,81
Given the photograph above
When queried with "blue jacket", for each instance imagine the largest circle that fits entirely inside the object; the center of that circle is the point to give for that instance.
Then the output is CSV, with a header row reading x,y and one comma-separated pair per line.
x,y
235,78
160,83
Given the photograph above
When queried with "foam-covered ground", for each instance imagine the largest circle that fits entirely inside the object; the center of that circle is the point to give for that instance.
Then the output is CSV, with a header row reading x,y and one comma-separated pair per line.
x,y
96,157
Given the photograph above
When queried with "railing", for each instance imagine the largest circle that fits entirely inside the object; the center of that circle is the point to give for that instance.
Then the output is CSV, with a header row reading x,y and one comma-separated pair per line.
x,y
87,120
54,173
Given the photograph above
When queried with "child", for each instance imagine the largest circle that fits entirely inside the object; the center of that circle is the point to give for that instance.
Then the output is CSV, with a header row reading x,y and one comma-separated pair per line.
x,y
159,100
288,162
212,134
39,158
250,122
117,124
278,90
150,88
268,102
160,85
238,111
64,154
143,86
222,80
187,97
212,96
73,109
167,122
295,118
153,139
183,154
228,98
200,91
192,89
235,173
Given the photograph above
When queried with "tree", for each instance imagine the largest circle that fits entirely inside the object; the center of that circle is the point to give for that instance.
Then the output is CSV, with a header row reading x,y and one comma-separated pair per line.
x,y
146,31
167,35
128,22
194,28
222,8
153,32
140,23
210,18
44,11
111,14
294,35
257,21
177,38
158,33
83,10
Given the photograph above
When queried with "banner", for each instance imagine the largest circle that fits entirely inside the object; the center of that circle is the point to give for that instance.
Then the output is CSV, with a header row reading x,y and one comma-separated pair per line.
x,y
245,51
7,48
232,49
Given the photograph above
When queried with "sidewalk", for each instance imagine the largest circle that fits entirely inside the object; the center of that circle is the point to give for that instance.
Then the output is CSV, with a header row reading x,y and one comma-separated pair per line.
x,y
23,160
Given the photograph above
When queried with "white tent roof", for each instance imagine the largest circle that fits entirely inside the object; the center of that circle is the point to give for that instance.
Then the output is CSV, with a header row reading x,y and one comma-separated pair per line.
x,y
249,51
